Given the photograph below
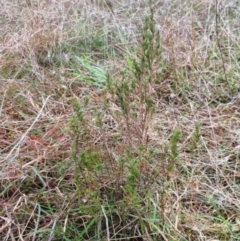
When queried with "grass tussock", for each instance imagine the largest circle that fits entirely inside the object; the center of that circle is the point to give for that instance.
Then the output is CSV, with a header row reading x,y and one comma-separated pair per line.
x,y
119,120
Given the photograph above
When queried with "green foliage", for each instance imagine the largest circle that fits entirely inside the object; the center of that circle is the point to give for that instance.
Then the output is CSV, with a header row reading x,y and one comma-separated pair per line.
x,y
134,91
195,138
90,73
126,174
173,154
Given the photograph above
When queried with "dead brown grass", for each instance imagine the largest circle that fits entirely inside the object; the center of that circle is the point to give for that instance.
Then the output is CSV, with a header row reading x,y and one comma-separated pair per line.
x,y
43,197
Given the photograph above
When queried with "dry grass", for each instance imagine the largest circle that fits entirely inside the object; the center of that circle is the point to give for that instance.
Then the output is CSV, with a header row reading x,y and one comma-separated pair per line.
x,y
82,155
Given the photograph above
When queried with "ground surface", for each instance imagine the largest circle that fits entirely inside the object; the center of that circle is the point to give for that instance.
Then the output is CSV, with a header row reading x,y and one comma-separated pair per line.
x,y
119,126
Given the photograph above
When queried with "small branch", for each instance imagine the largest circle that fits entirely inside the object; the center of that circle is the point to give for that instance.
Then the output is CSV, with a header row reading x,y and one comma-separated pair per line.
x,y
21,140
